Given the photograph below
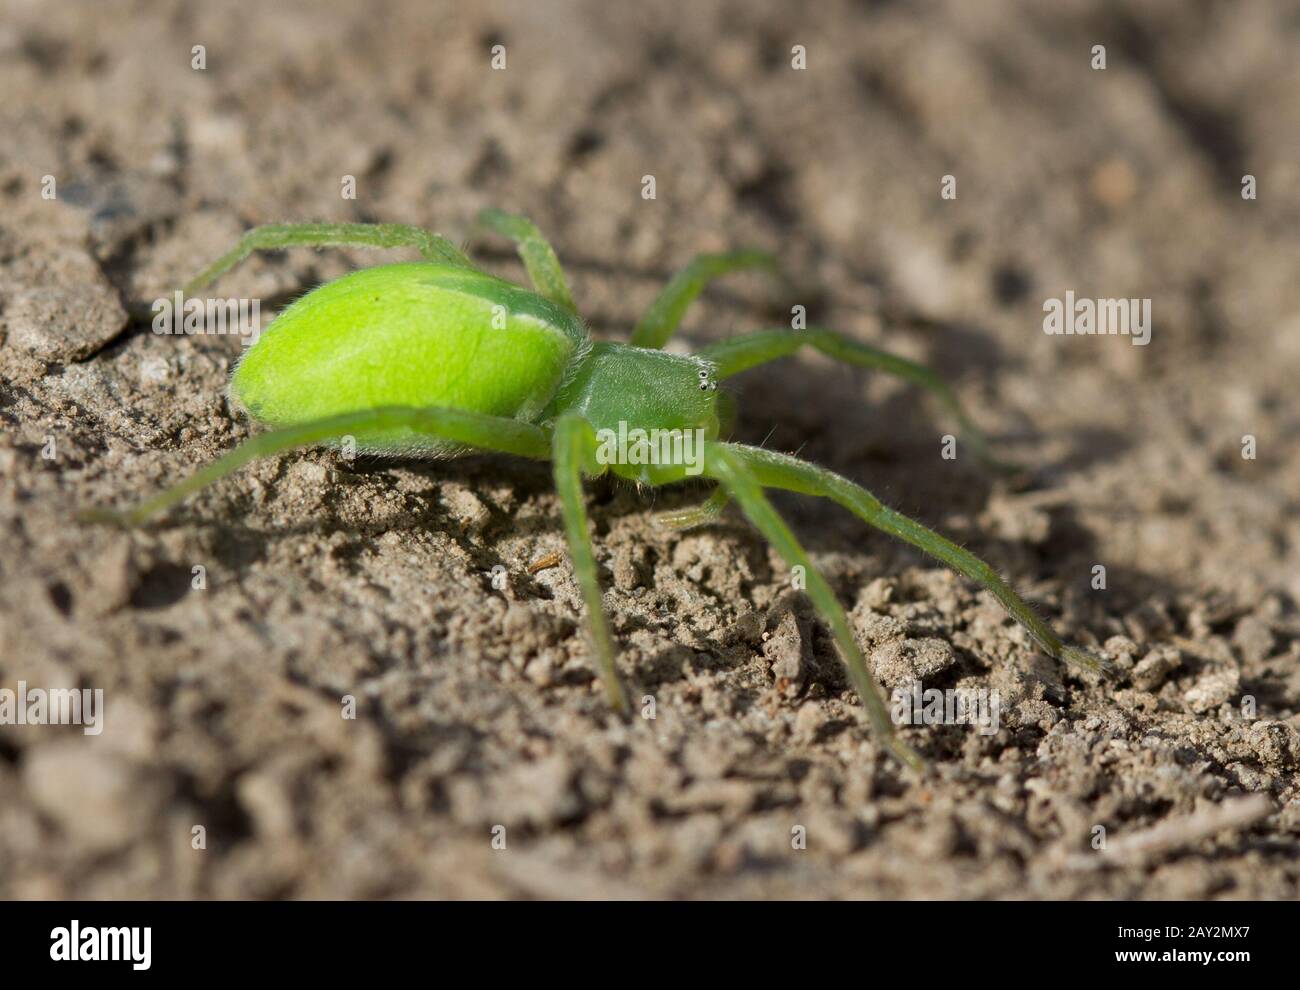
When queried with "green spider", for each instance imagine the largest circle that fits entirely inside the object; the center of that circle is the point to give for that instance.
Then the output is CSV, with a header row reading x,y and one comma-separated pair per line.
x,y
435,358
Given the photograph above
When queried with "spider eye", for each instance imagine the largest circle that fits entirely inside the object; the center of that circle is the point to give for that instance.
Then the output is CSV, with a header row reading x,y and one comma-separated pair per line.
x,y
704,386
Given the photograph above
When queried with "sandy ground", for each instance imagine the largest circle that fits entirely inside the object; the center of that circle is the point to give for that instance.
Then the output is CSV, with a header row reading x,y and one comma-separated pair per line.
x,y
476,707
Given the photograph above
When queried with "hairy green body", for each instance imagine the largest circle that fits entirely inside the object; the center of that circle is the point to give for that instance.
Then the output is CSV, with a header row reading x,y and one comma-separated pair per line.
x,y
437,357
416,334
423,334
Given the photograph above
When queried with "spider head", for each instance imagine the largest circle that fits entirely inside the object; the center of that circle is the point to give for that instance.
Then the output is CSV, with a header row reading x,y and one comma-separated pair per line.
x,y
652,411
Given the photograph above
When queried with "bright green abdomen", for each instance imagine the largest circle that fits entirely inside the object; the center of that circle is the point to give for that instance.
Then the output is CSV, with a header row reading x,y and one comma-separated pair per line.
x,y
415,334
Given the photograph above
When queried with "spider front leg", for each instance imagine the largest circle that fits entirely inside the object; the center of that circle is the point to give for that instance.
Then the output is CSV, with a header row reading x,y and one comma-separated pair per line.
x,y
665,313
752,349
575,452
273,236
774,470
535,251
725,463
452,425
695,515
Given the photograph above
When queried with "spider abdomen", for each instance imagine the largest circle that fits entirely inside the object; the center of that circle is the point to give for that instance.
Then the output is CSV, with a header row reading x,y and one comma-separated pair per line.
x,y
414,334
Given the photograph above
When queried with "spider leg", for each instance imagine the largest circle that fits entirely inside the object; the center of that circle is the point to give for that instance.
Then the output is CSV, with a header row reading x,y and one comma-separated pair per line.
x,y
271,236
536,252
726,462
752,349
695,515
454,425
574,452
666,312
775,470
